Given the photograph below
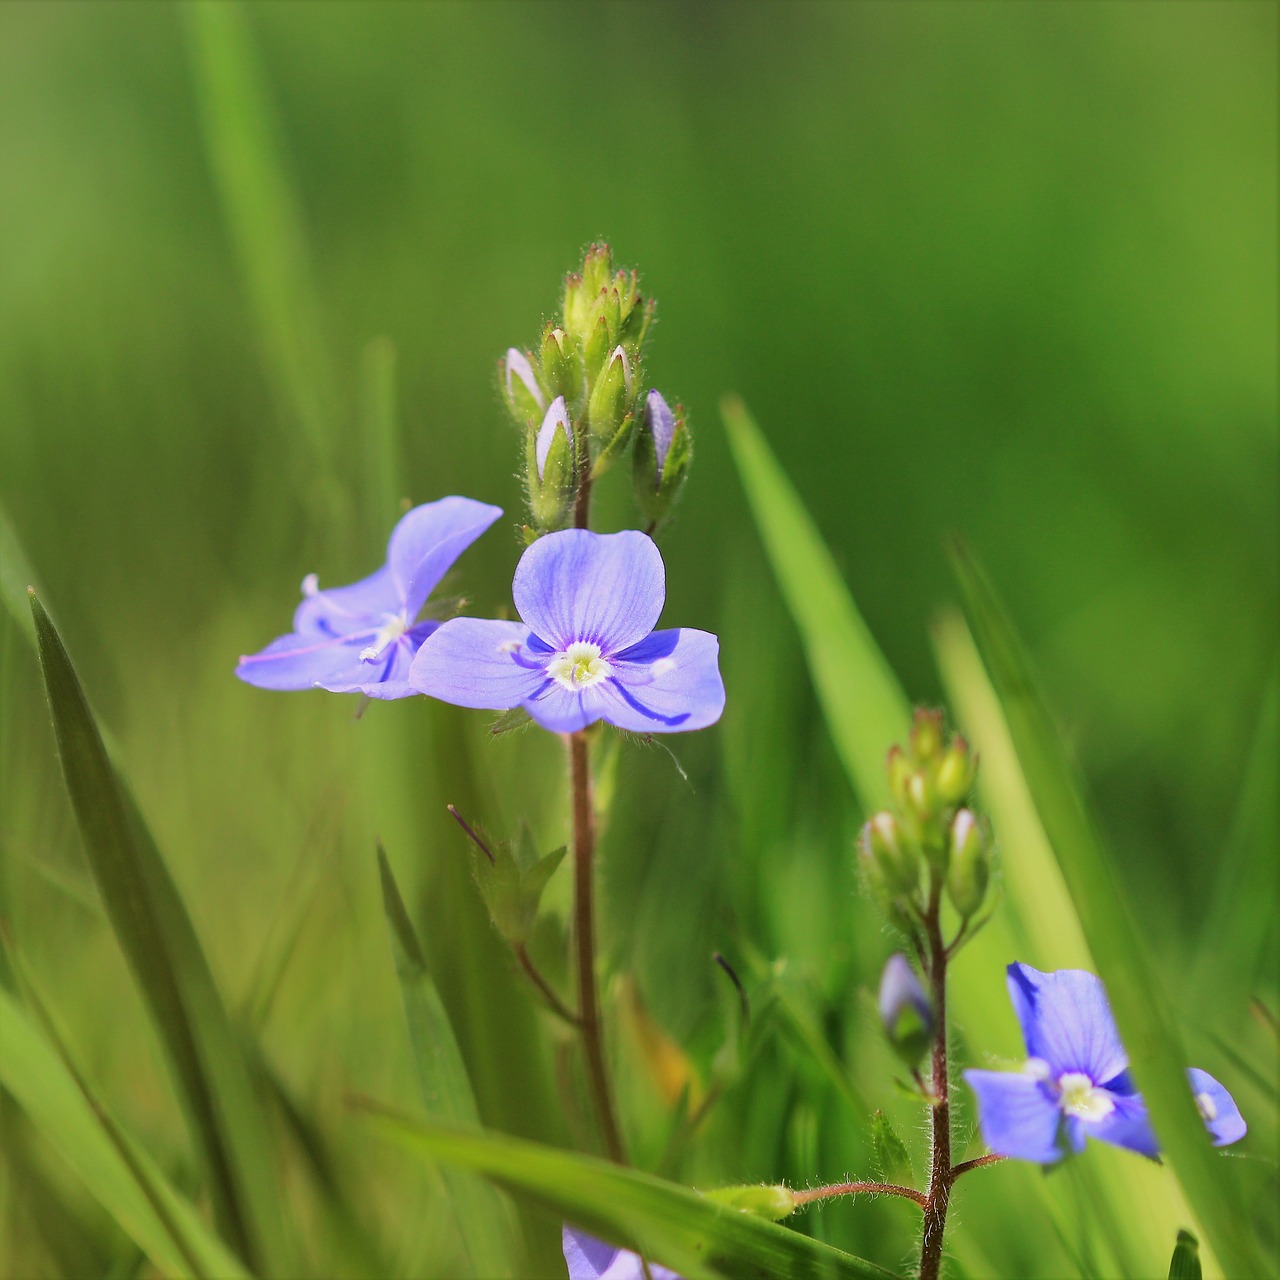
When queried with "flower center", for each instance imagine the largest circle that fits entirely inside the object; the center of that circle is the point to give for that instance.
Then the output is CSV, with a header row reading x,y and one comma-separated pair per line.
x,y
390,631
1081,1097
579,666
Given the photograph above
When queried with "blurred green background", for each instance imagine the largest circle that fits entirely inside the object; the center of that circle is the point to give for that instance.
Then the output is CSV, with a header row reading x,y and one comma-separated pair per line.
x,y
1005,269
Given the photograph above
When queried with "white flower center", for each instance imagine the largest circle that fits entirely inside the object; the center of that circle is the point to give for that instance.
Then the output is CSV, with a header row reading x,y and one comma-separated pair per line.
x,y
390,631
579,666
1081,1097
1207,1108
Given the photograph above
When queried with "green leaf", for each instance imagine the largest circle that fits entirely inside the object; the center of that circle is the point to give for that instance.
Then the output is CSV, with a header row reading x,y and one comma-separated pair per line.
x,y
863,703
114,1169
891,1155
484,1222
160,944
1185,1263
670,1224
1137,995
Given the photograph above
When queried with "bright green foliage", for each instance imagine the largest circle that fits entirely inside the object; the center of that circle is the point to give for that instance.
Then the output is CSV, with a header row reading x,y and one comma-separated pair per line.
x,y
893,1160
1185,1263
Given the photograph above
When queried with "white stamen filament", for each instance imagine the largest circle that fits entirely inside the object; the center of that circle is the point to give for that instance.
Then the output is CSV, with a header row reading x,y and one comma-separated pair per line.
x,y
1081,1097
579,666
388,633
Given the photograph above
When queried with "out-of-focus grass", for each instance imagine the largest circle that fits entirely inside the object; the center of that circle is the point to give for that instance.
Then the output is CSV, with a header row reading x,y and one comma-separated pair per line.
x,y
1004,269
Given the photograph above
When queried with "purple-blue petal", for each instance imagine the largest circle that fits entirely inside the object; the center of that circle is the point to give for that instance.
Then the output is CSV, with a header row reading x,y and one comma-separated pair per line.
x,y
293,662
591,1259
1067,1021
1221,1115
1127,1126
478,662
343,611
900,990
557,419
1017,1114
662,425
581,586
564,710
426,542
385,676
668,683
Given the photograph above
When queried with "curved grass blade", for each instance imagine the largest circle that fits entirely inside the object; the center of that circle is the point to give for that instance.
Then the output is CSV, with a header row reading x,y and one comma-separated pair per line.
x,y
160,944
116,1172
668,1223
864,705
1137,996
484,1223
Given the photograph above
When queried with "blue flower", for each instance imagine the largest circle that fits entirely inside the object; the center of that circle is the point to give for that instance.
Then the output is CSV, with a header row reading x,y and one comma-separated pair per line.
x,y
361,638
905,1010
1075,1084
592,1259
585,649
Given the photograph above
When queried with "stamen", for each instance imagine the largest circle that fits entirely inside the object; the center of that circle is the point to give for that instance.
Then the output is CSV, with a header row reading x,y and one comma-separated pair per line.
x,y
390,632
311,584
579,667
1081,1097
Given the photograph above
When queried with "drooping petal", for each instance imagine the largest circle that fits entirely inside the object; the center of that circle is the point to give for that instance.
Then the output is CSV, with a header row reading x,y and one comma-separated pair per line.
x,y
427,541
1017,1114
604,588
293,662
343,611
668,683
1221,1115
1067,1021
386,676
592,1259
478,662
1127,1126
564,710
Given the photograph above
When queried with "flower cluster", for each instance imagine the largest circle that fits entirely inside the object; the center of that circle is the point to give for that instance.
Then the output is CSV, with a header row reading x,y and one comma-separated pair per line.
x,y
1076,1084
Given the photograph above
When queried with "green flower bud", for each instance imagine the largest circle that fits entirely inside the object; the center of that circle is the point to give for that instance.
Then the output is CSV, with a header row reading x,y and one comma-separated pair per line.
x,y
596,350
771,1203
926,735
561,368
664,450
549,469
894,857
524,397
956,772
584,295
610,397
970,864
899,768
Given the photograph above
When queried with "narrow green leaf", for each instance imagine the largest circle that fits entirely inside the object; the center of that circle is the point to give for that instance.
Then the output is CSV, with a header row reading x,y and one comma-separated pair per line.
x,y
1185,1263
114,1169
1137,995
484,1222
670,1224
864,705
892,1158
242,139
160,944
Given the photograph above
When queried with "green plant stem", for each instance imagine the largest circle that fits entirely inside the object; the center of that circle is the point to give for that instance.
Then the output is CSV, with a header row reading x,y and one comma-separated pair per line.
x,y
941,1175
584,839
811,1194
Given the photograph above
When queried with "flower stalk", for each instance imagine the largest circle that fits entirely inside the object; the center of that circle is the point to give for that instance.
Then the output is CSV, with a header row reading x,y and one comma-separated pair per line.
x,y
941,1174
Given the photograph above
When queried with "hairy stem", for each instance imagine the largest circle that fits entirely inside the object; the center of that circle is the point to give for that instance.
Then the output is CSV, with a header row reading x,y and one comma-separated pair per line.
x,y
856,1188
554,1003
940,1174
584,840
979,1163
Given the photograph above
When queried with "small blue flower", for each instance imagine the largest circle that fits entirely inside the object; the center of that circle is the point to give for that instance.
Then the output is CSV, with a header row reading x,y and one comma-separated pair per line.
x,y
905,1010
592,1259
1076,1084
585,649
361,638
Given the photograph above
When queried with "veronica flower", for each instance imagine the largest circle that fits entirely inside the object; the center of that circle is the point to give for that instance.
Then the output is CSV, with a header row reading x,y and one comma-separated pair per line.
x,y
1076,1083
585,648
592,1259
361,638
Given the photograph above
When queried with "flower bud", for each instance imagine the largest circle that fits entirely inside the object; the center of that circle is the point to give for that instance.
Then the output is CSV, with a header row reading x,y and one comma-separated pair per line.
x,y
895,860
561,369
955,772
905,1011
549,468
926,735
899,768
610,396
770,1203
664,450
524,396
969,867
583,292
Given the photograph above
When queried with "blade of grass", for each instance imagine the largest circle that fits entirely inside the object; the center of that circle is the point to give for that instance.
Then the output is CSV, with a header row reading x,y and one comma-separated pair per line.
x,y
864,705
484,1223
160,944
113,1168
673,1225
1110,928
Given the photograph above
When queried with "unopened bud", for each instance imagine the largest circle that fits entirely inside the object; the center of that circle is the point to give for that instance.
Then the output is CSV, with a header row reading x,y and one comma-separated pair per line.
x,y
524,396
969,867
549,468
610,396
561,369
899,768
771,1203
583,294
885,845
905,1011
926,735
664,450
955,772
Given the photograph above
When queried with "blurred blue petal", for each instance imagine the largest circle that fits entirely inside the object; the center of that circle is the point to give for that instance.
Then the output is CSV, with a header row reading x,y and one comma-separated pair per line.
x,y
592,1259
1066,1021
1221,1115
